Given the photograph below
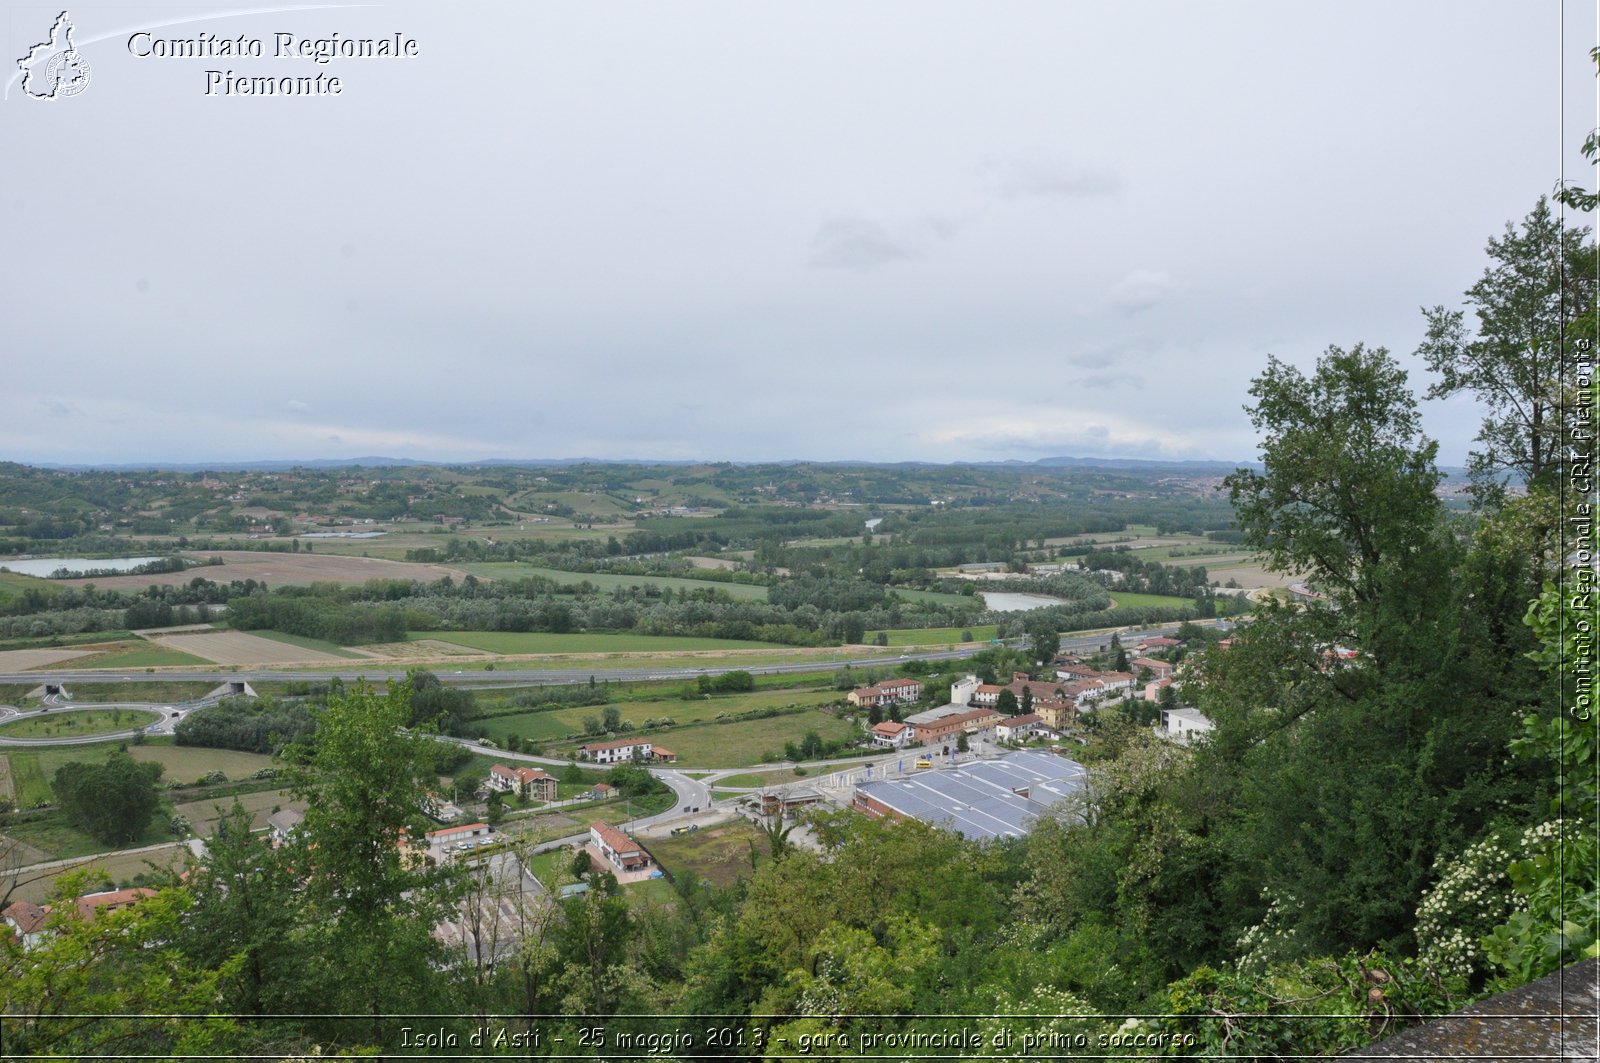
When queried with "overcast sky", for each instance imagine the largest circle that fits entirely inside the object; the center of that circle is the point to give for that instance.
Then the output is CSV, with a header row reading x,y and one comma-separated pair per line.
x,y
818,230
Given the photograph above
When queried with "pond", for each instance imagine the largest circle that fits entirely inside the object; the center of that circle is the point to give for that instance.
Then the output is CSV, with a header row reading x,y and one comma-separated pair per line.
x,y
1015,602
46,566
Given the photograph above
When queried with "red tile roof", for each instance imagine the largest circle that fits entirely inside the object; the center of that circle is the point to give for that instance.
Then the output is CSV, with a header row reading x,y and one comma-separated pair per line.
x,y
27,916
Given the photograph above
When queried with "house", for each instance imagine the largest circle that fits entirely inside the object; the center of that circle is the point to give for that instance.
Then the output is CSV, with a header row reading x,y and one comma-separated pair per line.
x,y
1115,684
27,921
901,690
615,752
1185,725
866,697
890,735
503,779
665,755
524,782
436,807
937,726
1152,690
91,905
1159,642
1158,669
1016,728
283,824
986,694
1057,714
603,791
618,850
1074,671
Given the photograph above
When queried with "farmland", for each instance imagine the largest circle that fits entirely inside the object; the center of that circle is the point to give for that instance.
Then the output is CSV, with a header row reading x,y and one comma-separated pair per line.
x,y
557,724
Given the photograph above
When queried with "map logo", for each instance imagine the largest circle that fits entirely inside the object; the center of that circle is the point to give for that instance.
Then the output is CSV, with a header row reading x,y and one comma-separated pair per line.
x,y
65,72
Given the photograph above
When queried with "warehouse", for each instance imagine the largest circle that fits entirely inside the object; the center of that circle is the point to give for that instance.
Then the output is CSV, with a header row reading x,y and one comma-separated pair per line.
x,y
999,798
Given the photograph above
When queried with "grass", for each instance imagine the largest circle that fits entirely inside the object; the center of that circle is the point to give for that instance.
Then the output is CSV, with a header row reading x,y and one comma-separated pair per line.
x,y
720,854
32,768
608,581
204,814
309,644
651,891
187,763
134,690
517,642
731,745
118,867
12,584
148,656
51,833
78,723
937,636
556,724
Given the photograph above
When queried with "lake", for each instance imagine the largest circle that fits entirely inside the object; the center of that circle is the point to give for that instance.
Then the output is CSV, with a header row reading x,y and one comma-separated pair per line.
x,y
1014,602
43,566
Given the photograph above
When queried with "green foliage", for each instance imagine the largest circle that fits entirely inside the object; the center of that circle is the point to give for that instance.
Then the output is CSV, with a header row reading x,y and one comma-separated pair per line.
x,y
1313,1007
260,725
114,801
115,986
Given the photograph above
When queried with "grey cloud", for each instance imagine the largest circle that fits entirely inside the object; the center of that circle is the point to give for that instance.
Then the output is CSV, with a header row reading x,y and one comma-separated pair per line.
x,y
1140,290
1108,381
1022,178
857,244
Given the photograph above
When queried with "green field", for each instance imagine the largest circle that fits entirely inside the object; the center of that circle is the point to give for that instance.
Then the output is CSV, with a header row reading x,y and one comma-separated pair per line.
x,y
517,642
731,745
204,814
309,644
118,867
32,768
147,656
78,723
187,763
937,636
51,834
12,584
556,724
607,581
719,854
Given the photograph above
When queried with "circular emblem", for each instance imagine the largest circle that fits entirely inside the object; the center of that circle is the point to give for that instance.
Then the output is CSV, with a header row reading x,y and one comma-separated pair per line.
x,y
67,73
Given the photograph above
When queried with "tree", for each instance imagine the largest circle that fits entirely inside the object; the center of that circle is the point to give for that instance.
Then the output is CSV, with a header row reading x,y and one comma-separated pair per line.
x,y
1540,280
1044,641
1006,703
114,801
371,907
610,718
1348,480
245,906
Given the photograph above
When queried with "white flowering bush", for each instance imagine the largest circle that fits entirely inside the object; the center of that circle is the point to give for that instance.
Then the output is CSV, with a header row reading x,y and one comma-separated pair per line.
x,y
1475,894
1273,939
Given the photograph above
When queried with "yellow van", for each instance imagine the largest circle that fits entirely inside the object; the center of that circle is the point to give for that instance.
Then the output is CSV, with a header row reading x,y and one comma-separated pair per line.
x,y
924,763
